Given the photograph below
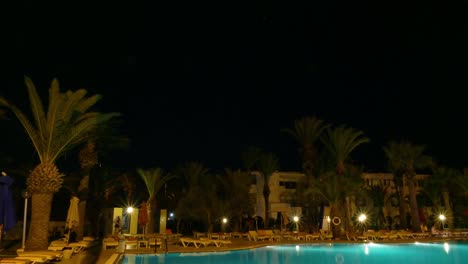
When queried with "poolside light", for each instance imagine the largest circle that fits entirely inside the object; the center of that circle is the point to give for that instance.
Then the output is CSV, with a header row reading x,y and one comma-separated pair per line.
x,y
442,219
130,210
296,220
362,218
225,220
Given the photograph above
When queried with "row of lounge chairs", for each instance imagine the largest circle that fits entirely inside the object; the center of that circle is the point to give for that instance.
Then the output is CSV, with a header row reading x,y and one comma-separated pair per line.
x,y
202,241
56,251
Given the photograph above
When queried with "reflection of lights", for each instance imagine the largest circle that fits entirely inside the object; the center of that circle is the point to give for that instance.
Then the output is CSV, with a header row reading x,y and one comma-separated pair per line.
x,y
362,218
130,210
296,218
366,249
225,220
297,247
446,247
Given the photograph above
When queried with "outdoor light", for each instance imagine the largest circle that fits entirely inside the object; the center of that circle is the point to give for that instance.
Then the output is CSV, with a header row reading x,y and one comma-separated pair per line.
x,y
225,220
4,173
130,210
171,215
296,220
442,219
362,218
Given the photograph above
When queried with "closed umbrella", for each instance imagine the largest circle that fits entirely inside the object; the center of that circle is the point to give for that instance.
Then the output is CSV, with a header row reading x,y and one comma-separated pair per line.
x,y
7,209
143,216
73,216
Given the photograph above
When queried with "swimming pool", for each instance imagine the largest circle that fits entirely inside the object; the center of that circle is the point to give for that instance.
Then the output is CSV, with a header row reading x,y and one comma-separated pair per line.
x,y
427,253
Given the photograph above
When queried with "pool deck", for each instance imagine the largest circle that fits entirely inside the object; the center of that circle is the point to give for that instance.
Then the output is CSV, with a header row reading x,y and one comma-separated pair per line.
x,y
99,256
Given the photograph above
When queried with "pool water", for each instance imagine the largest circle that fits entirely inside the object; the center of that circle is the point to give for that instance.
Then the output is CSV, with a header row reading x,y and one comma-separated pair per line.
x,y
427,253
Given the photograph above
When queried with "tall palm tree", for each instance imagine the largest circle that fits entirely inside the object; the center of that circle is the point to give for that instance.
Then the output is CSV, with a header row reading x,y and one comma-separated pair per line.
x,y
199,197
444,178
234,188
331,187
394,157
306,132
411,157
154,180
340,142
267,164
250,158
102,139
376,194
67,123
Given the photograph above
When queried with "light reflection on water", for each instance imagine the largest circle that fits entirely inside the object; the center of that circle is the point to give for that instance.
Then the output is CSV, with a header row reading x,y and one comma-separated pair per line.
x,y
428,253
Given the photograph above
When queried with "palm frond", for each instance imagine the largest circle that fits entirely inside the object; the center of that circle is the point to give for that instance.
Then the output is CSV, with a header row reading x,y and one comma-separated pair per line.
x,y
30,129
37,108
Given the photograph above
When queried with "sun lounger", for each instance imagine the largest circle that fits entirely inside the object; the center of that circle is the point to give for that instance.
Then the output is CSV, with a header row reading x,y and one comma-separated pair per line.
x,y
14,261
80,245
40,254
34,259
253,235
109,242
216,242
186,242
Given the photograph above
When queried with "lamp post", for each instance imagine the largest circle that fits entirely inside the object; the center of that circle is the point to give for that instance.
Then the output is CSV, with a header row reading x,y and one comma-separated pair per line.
x,y
362,219
223,225
296,220
26,196
442,219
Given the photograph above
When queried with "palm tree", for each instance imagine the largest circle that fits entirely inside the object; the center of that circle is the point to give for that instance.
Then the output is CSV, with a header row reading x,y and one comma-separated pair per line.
x,y
102,139
331,187
340,142
250,158
443,178
66,124
306,132
410,157
376,194
234,189
267,164
154,181
395,163
199,199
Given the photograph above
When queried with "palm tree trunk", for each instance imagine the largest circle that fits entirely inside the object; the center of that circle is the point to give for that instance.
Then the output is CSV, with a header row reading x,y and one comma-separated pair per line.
x,y
448,208
402,208
151,209
349,219
83,190
415,223
266,195
41,205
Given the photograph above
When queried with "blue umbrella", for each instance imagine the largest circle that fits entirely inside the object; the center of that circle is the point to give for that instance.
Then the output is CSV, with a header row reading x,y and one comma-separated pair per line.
x,y
7,209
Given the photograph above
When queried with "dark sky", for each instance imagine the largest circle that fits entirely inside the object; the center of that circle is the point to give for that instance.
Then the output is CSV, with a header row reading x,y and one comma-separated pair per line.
x,y
203,80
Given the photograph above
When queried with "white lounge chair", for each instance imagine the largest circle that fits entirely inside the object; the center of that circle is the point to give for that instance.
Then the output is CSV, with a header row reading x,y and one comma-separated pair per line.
x,y
14,261
109,242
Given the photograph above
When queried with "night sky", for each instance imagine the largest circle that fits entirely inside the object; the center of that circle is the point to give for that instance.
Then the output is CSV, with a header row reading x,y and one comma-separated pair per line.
x,y
201,81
